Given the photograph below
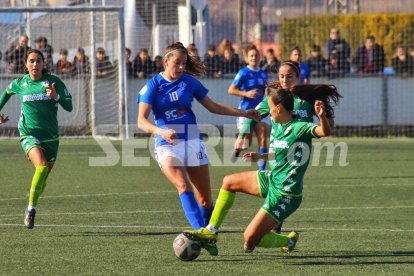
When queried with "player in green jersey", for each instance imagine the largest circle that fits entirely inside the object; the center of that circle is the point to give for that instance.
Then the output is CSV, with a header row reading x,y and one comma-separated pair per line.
x,y
281,187
40,94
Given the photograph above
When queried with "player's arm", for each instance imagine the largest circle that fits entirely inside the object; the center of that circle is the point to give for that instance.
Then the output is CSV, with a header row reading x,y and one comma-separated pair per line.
x,y
60,94
222,109
4,98
324,127
255,156
249,124
143,123
235,91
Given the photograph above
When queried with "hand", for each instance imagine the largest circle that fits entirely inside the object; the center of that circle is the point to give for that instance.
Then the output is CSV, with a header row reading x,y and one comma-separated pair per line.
x,y
252,114
51,91
252,94
251,157
169,135
241,143
3,119
320,108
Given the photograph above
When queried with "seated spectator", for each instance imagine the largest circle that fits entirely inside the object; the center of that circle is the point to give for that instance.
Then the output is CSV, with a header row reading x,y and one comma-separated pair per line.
x,y
403,63
334,68
15,54
296,55
316,62
142,65
269,62
341,48
224,44
47,51
130,71
158,66
229,62
81,63
369,57
63,65
212,62
104,68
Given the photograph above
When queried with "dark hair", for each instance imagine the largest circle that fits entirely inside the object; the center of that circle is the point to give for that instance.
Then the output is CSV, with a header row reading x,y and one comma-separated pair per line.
x,y
63,51
81,50
283,97
194,65
293,64
128,50
249,48
370,37
327,93
100,50
26,56
296,48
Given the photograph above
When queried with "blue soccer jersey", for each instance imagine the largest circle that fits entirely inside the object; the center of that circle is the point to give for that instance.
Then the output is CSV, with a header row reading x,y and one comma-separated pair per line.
x,y
171,103
248,79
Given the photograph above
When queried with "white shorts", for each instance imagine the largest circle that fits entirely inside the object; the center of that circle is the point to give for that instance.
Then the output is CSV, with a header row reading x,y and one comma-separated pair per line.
x,y
190,153
241,120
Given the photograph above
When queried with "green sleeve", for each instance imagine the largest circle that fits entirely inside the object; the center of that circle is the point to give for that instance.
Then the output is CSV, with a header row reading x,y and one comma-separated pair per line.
x,y
4,98
65,98
249,124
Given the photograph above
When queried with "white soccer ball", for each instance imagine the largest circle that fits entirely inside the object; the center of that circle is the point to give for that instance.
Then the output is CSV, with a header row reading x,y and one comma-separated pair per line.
x,y
186,249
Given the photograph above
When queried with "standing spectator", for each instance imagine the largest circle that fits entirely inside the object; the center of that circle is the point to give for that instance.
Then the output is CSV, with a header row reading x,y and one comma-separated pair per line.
x,y
47,51
224,44
129,69
316,62
340,46
370,57
270,63
212,62
229,62
81,63
63,65
403,63
104,68
143,65
296,56
15,54
158,67
333,68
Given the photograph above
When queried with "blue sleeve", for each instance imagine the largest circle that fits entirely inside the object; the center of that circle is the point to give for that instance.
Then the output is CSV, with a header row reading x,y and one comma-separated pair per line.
x,y
239,79
147,93
200,91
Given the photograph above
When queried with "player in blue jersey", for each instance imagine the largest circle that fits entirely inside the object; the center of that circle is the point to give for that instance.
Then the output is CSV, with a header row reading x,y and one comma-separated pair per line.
x,y
249,84
179,149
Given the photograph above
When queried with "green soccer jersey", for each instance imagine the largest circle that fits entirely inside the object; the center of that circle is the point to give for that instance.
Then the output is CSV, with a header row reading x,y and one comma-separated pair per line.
x,y
301,109
289,155
38,111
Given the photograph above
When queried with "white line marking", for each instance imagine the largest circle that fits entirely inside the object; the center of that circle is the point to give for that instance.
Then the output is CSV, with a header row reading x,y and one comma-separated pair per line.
x,y
180,228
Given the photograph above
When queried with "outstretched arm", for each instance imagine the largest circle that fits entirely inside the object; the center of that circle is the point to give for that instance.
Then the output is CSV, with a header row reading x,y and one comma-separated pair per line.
x,y
63,96
222,109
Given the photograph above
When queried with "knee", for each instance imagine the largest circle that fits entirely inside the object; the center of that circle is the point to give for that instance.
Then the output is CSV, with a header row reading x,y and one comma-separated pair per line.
x,y
182,187
228,183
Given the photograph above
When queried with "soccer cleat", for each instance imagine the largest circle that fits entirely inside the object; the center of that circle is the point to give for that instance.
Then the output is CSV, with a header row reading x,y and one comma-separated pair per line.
x,y
248,248
234,156
293,239
206,238
29,218
277,229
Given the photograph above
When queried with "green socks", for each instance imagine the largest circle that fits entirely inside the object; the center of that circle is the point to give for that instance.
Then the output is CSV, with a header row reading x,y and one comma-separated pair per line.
x,y
271,240
38,181
223,204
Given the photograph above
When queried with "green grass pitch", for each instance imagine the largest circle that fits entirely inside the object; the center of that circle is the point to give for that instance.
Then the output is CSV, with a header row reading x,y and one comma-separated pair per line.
x,y
121,220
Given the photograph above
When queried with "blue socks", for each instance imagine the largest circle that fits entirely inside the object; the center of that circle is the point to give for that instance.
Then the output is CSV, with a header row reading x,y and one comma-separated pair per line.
x,y
261,163
206,213
191,210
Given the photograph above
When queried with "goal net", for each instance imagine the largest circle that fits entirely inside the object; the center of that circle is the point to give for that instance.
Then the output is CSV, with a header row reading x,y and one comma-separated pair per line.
x,y
81,45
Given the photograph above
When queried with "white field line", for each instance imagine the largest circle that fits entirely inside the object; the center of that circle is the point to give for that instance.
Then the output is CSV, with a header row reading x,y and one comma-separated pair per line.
x,y
179,211
172,191
180,228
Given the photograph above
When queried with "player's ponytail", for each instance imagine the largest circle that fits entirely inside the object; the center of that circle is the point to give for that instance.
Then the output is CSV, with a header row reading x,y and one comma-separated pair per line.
x,y
322,92
194,65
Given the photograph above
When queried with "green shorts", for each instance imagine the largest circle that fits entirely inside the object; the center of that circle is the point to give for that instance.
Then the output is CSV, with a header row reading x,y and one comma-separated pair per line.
x,y
49,148
278,205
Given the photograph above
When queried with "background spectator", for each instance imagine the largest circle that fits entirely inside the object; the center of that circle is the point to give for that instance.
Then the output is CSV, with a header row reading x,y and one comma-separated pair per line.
x,y
370,57
192,50
63,65
158,67
269,62
316,62
104,68
402,62
47,51
224,44
296,55
15,54
229,62
129,68
212,62
81,63
143,65
333,68
340,47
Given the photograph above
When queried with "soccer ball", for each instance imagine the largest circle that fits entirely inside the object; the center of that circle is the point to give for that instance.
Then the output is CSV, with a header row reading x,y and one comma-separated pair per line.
x,y
186,249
